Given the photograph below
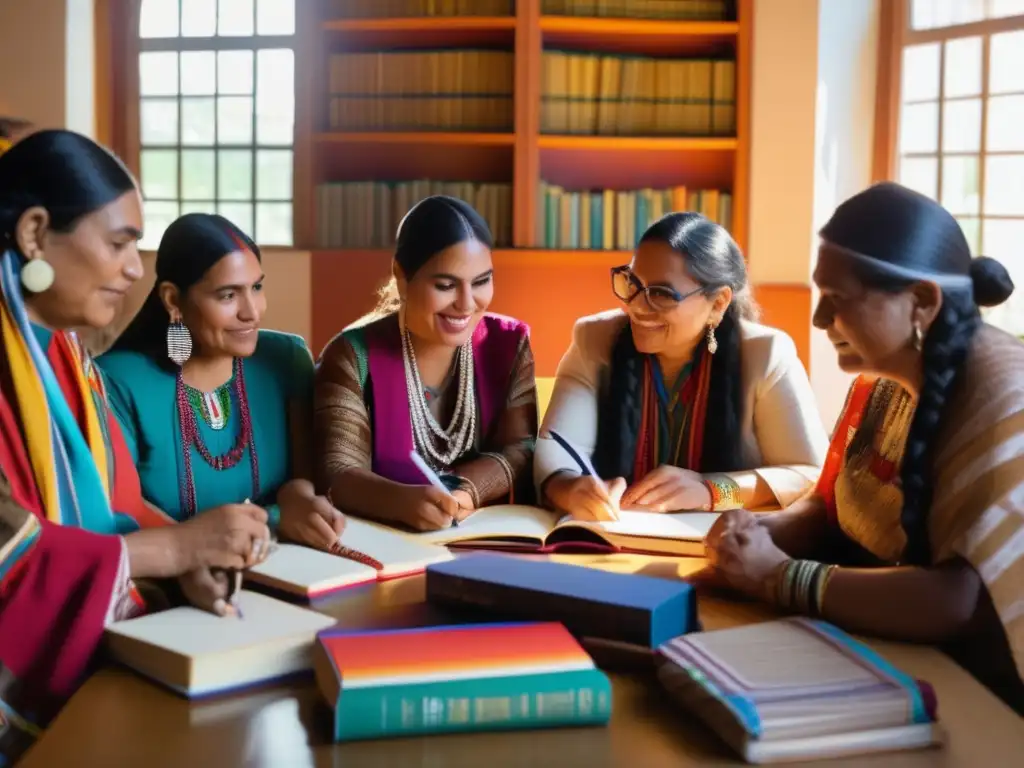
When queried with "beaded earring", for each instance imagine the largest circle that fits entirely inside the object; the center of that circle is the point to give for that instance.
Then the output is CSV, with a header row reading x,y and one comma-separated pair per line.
x,y
712,341
179,342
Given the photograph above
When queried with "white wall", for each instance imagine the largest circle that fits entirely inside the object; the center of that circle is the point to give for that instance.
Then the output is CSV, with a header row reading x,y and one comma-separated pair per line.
x,y
812,126
80,68
843,143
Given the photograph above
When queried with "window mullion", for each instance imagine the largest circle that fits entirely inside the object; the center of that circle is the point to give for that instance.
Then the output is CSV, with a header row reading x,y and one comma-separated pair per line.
x,y
941,118
983,146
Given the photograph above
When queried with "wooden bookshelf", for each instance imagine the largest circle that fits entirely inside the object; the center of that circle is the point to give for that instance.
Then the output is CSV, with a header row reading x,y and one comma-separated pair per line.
x,y
522,156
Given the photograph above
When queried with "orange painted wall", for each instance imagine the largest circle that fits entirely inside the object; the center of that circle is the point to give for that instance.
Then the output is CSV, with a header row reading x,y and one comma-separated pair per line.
x,y
344,284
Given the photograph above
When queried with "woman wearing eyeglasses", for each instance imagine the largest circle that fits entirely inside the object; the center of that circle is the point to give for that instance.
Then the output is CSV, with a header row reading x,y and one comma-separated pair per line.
x,y
681,400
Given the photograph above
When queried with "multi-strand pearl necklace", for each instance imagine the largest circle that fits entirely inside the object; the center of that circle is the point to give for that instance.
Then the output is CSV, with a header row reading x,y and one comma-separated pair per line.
x,y
461,431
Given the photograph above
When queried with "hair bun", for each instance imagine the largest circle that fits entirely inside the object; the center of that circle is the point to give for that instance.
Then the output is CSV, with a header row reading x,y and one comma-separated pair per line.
x,y
992,282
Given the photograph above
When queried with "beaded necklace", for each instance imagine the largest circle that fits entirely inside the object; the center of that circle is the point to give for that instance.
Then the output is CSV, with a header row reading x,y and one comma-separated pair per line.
x,y
427,433
190,437
214,407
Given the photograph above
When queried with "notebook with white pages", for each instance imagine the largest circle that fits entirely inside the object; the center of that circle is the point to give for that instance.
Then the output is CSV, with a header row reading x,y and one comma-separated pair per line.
x,y
797,689
196,653
532,529
367,552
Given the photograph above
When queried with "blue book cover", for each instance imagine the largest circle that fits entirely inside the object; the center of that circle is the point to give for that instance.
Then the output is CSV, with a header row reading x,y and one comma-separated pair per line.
x,y
639,610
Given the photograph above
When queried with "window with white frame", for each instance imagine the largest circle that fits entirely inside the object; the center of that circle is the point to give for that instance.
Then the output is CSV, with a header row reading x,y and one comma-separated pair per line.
x,y
217,113
961,125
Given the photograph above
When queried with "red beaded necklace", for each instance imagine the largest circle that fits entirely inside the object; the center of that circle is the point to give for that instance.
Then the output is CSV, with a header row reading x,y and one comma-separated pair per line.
x,y
190,437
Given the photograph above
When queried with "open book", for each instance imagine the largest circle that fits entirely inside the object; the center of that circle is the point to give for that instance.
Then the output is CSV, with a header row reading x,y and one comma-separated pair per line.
x,y
196,653
523,528
797,689
366,552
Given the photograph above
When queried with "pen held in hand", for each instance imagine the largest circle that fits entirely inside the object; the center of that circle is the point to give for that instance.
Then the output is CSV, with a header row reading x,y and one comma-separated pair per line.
x,y
431,476
586,468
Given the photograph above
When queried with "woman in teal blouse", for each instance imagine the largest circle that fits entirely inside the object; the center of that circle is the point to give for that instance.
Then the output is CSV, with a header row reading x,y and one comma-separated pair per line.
x,y
214,409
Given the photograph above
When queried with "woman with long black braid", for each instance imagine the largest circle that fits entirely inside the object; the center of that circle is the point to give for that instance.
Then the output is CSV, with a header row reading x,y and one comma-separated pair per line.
x,y
681,399
916,528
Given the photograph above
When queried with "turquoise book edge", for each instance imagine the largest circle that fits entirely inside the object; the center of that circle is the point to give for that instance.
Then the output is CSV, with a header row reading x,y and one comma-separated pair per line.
x,y
514,702
745,709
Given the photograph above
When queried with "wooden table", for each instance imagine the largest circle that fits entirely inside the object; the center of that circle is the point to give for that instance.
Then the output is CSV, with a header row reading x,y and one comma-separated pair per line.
x,y
118,719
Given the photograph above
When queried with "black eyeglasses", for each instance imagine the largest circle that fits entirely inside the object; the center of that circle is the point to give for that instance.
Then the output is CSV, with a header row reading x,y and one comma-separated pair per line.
x,y
661,298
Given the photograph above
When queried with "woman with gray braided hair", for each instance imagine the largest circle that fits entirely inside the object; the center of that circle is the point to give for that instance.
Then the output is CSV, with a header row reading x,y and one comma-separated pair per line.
x,y
915,530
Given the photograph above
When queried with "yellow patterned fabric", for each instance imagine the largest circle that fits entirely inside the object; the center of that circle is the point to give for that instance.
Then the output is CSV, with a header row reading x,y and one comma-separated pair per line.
x,y
33,411
977,511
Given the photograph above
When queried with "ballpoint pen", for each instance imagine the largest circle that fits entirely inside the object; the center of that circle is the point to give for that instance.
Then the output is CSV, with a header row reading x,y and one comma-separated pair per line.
x,y
432,477
234,576
582,461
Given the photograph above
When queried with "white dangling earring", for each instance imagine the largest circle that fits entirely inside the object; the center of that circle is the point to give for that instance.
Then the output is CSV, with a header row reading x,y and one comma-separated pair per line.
x,y
918,339
179,342
712,341
37,275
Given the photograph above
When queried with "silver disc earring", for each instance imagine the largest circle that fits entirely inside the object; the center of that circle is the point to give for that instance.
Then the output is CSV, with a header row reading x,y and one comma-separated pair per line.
x,y
179,342
712,341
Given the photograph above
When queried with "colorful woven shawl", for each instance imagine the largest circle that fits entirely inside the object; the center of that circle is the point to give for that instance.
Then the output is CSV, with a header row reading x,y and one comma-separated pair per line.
x,y
72,471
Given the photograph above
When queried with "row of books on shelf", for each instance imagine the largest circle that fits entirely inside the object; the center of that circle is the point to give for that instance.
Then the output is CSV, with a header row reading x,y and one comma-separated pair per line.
x,y
619,95
387,9
678,10
452,89
665,10
366,214
614,220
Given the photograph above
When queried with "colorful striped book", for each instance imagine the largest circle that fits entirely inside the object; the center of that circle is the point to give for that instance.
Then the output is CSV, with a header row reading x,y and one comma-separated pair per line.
x,y
797,689
483,677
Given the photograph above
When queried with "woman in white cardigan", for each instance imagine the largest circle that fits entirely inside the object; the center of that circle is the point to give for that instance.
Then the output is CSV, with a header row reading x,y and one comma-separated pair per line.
x,y
681,401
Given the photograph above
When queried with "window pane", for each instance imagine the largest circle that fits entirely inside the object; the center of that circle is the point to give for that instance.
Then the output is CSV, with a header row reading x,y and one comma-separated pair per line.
x,y
197,122
275,17
198,73
1004,186
234,120
1006,123
921,174
197,174
273,223
1002,241
157,216
1006,63
275,97
919,128
972,231
198,206
159,169
158,18
274,174
234,72
239,214
961,125
920,72
198,18
235,18
234,178
960,185
928,14
158,121
158,73
962,67
1001,8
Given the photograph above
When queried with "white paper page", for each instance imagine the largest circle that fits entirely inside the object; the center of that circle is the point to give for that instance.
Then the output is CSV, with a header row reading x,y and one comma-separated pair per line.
x,y
503,520
397,551
307,568
192,632
685,526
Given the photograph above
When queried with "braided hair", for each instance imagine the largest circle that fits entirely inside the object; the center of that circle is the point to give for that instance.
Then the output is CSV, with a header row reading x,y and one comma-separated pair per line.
x,y
714,261
898,227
